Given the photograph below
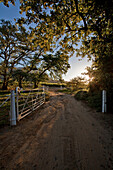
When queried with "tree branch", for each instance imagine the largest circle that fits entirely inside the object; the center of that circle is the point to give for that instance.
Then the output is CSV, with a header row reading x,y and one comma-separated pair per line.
x,y
81,15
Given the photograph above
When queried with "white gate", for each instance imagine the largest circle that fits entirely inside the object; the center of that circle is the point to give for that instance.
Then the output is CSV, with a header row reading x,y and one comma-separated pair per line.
x,y
28,101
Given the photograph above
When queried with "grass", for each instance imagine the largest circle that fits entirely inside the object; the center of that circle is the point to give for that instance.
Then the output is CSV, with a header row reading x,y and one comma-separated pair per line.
x,y
52,84
66,91
4,114
4,110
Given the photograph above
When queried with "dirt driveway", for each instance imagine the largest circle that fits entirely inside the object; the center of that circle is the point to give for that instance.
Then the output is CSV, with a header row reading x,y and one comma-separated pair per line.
x,y
63,135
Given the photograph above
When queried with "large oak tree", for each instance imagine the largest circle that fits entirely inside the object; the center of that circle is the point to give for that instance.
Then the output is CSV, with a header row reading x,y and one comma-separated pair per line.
x,y
13,49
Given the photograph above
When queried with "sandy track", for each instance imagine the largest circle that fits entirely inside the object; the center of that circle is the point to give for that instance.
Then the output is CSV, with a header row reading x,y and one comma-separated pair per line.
x,y
63,135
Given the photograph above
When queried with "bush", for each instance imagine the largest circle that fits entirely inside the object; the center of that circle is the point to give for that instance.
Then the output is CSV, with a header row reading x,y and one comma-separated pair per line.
x,y
95,100
81,95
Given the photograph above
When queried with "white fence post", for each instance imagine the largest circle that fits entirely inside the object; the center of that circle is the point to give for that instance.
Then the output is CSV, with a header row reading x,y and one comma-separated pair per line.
x,y
105,102
17,88
12,109
104,107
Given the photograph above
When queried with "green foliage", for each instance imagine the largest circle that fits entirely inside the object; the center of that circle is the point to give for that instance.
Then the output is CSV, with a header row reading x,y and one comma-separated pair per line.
x,y
66,90
72,19
6,2
53,84
77,83
19,75
35,78
95,100
101,78
19,46
61,25
65,23
70,22
81,95
13,49
43,65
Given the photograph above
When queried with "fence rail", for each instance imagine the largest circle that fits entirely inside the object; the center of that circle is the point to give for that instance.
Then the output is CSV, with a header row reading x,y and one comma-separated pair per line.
x,y
5,101
19,104
28,103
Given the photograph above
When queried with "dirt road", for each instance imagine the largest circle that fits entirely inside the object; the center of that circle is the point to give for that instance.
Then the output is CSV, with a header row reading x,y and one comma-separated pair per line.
x,y
63,135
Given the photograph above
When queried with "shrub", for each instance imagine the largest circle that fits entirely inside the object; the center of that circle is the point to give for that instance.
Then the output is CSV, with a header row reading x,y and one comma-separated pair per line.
x,y
95,100
81,95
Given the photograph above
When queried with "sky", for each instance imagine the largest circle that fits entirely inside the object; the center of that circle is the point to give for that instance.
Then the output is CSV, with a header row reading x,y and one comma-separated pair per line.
x,y
77,67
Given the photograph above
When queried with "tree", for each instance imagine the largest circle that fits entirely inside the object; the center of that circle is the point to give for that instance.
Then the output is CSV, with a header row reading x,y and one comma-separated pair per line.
x,y
34,77
13,49
77,83
52,64
6,2
102,79
19,46
67,22
72,18
19,75
72,21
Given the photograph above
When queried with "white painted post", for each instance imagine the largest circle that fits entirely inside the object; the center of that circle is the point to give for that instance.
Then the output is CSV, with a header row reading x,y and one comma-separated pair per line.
x,y
105,102
12,109
17,103
104,107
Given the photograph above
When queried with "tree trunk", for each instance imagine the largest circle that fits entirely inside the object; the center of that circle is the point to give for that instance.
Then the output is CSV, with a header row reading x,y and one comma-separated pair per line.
x,y
5,83
35,84
20,82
